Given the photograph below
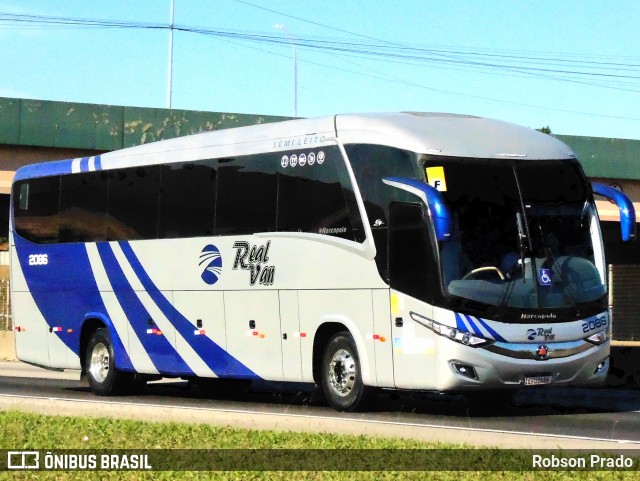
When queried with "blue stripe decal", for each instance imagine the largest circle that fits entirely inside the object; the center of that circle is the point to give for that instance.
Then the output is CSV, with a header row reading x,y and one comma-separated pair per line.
x,y
98,162
219,361
460,325
476,330
65,292
44,169
495,335
84,164
162,353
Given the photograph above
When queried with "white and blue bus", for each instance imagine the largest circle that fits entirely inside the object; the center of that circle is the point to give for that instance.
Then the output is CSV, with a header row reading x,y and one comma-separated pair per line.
x,y
403,251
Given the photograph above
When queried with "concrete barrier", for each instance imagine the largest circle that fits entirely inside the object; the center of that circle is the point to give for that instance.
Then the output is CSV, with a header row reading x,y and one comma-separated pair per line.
x,y
7,346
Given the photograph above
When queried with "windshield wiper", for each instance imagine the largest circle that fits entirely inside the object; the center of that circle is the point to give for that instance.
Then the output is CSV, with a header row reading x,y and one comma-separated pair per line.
x,y
551,262
525,246
524,243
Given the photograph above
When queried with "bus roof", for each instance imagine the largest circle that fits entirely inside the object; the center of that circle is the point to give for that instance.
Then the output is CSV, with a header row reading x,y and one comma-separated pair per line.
x,y
427,133
452,135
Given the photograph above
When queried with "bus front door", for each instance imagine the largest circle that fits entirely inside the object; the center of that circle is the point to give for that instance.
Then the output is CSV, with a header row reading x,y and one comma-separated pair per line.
x,y
413,344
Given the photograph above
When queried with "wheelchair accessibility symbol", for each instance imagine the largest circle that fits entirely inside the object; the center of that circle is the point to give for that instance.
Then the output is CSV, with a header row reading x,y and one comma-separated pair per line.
x,y
544,277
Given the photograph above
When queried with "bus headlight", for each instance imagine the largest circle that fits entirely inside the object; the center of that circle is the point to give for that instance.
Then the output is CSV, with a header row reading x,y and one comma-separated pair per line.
x,y
452,333
598,338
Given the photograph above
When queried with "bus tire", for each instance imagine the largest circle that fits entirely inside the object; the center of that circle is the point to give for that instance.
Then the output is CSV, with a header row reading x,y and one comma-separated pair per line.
x,y
341,376
100,366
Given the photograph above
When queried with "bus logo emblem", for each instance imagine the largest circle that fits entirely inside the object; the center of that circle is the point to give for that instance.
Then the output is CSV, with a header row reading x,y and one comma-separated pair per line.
x,y
542,352
211,257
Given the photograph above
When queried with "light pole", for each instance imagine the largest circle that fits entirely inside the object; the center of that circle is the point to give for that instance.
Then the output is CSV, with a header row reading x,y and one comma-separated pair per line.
x,y
281,27
170,60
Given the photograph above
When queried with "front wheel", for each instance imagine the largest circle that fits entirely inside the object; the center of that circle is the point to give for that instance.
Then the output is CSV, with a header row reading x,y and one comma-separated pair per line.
x,y
100,366
341,378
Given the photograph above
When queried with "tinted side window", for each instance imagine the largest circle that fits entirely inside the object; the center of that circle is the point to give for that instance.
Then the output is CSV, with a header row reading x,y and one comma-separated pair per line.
x,y
247,195
372,163
36,206
133,203
409,250
315,195
187,199
83,204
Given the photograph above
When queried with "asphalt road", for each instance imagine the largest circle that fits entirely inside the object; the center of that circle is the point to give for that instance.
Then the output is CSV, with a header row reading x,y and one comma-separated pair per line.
x,y
540,418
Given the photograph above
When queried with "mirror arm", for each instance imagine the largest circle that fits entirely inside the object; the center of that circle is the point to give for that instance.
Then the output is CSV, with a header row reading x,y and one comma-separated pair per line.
x,y
432,198
627,211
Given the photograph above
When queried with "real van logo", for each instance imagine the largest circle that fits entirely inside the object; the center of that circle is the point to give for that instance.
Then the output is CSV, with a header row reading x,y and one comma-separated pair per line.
x,y
253,258
541,332
211,257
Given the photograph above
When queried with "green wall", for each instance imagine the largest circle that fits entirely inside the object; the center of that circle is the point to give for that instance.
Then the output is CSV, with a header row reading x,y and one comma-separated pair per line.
x,y
42,123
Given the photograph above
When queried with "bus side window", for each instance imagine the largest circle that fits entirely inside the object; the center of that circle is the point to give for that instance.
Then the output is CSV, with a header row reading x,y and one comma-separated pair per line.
x,y
133,203
83,205
408,250
23,203
370,164
316,196
247,196
308,205
36,217
187,199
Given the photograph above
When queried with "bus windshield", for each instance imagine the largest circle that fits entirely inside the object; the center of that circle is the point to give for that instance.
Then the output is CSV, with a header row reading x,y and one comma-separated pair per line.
x,y
525,234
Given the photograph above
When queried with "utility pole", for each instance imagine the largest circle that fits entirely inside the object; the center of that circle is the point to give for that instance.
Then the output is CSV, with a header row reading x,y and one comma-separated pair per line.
x,y
291,40
170,61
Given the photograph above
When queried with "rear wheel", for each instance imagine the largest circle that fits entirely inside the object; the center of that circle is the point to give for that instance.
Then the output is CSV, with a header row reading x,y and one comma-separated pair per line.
x,y
341,377
100,367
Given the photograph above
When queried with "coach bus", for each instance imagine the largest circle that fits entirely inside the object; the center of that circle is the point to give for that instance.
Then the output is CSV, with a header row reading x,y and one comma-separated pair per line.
x,y
408,251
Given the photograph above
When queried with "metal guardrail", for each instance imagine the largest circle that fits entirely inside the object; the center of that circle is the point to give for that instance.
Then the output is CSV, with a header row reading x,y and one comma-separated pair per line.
x,y
6,323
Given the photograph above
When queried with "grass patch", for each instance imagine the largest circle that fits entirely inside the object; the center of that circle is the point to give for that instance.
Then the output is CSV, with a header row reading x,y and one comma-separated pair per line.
x,y
24,431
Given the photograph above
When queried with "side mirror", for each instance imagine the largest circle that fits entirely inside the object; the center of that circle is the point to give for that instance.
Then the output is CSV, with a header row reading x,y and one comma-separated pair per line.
x,y
627,211
432,198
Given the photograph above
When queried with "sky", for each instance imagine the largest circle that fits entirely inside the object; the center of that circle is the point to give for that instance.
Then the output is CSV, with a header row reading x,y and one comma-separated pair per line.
x,y
571,65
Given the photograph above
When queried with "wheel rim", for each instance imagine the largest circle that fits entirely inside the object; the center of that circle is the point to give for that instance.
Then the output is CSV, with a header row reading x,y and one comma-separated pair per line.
x,y
342,372
99,367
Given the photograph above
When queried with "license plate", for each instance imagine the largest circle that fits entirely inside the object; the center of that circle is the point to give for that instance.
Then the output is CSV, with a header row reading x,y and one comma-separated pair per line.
x,y
537,380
